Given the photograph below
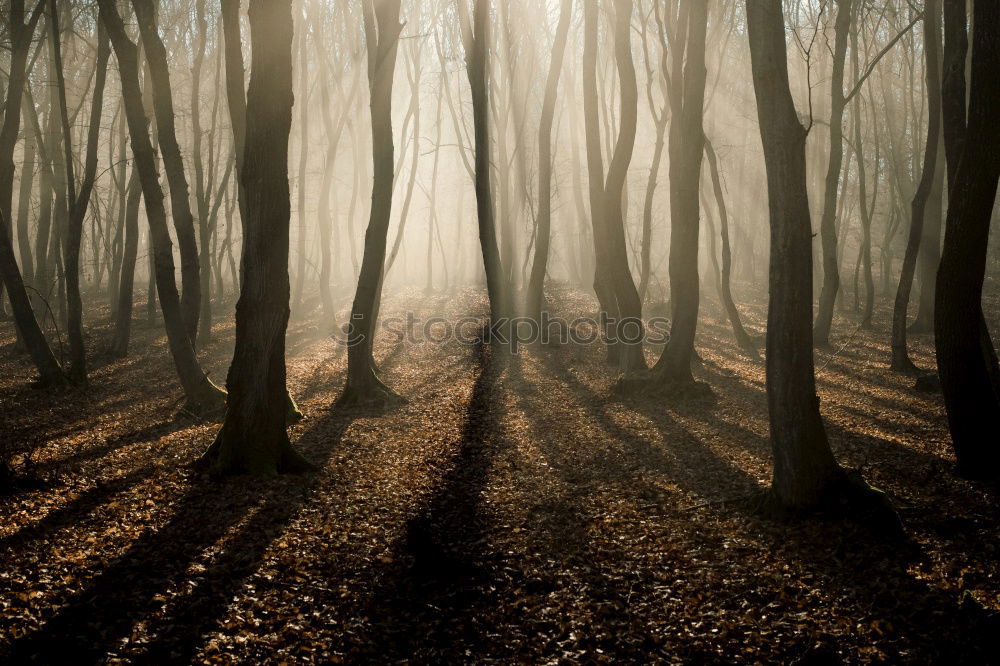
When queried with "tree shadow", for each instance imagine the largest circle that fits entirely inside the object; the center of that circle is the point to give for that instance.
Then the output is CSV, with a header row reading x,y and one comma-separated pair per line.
x,y
425,601
142,585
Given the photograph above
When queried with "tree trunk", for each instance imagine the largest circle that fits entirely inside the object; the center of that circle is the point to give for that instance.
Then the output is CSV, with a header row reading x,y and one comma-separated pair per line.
x,y
126,282
632,357
900,356
971,395
203,397
475,36
725,289
254,436
805,471
687,144
603,283
544,233
173,164
828,222
382,29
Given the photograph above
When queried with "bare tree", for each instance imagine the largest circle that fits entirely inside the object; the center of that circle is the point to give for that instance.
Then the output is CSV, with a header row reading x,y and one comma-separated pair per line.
x,y
254,437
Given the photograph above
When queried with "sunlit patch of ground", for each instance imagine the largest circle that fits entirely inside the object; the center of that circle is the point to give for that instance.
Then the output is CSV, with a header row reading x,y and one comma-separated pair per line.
x,y
508,513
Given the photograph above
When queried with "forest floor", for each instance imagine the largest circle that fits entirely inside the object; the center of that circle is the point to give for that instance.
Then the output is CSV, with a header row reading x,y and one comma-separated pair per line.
x,y
507,513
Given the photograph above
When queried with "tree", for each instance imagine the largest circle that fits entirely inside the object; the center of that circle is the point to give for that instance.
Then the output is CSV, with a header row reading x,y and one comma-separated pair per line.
x,y
78,202
806,475
254,436
625,291
932,38
966,360
173,164
828,222
475,37
382,31
202,396
687,144
544,217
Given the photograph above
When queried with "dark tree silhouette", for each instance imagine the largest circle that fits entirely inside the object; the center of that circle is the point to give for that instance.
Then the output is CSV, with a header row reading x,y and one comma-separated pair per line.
x,y
966,360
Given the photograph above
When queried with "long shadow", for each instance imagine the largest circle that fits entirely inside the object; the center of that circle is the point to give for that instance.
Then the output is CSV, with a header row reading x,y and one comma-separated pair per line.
x,y
907,619
426,600
691,453
99,621
145,434
72,512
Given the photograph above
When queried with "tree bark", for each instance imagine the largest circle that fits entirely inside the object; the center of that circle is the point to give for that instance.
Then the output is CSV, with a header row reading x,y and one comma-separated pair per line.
x,y
828,221
972,397
203,397
382,30
536,281
900,356
254,436
805,470
173,164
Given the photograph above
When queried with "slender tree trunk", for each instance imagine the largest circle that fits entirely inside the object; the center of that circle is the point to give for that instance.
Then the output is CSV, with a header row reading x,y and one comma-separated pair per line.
x,y
476,36
632,357
126,283
539,265
203,397
603,282
828,222
236,97
687,144
173,164
725,289
300,181
202,192
78,202
971,394
900,356
382,29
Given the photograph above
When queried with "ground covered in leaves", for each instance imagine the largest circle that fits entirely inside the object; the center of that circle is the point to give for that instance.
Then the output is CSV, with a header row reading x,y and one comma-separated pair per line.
x,y
514,512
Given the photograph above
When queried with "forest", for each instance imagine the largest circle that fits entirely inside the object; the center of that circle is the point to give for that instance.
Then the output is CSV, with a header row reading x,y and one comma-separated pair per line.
x,y
499,331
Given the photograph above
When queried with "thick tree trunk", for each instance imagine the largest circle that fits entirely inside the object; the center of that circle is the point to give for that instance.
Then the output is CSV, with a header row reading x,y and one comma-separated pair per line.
x,y
203,397
828,222
173,164
536,281
254,437
971,395
900,356
806,474
382,29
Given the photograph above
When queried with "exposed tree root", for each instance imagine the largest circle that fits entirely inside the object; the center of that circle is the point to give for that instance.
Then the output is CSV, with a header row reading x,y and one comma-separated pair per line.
x,y
232,454
848,498
368,393
208,405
